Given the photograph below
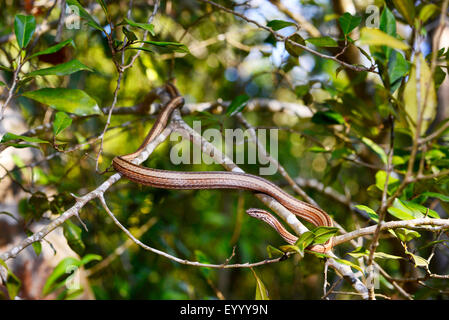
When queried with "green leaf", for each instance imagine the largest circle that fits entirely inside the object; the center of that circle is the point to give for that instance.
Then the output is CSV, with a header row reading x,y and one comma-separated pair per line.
x,y
328,117
439,196
406,8
428,11
411,99
290,248
84,14
89,258
24,27
419,261
402,212
348,22
376,37
13,284
261,291
72,233
387,22
398,68
37,246
11,136
2,83
383,255
304,241
170,46
129,35
237,104
62,121
279,24
317,149
438,76
349,263
140,48
6,69
404,234
362,252
54,48
273,251
323,42
322,234
202,258
60,69
376,148
292,49
144,26
424,210
372,214
381,178
68,100
38,205
64,268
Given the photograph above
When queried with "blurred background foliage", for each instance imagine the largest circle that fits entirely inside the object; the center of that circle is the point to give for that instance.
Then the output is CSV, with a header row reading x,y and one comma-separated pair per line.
x,y
227,57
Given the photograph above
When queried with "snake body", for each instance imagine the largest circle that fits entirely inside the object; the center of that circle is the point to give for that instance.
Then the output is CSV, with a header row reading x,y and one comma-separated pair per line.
x,y
218,180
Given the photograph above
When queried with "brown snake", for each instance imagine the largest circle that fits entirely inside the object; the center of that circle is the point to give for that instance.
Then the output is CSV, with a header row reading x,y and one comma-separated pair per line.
x,y
219,180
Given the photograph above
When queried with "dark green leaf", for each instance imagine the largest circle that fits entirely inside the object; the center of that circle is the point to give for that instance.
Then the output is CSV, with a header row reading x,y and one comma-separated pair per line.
x,y
129,35
62,121
11,136
170,46
37,246
12,285
24,27
38,204
68,100
54,48
237,104
439,196
144,26
61,69
72,233
438,77
293,49
279,24
327,117
322,42
348,22
398,68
